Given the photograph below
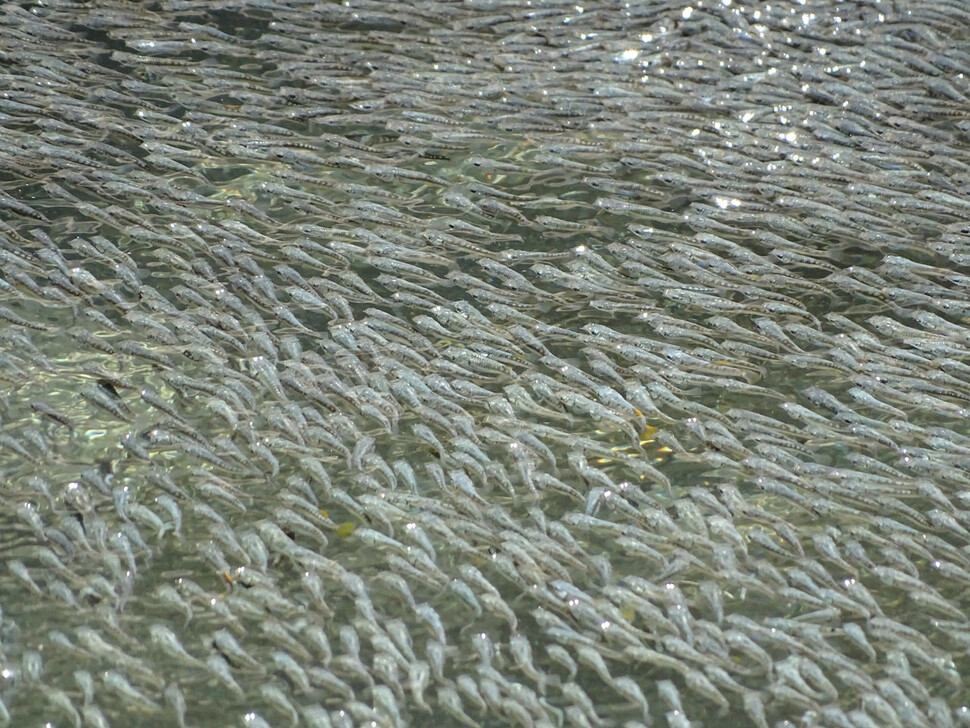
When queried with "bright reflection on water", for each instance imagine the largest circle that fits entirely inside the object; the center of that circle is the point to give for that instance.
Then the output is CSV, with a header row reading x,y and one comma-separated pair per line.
x,y
483,364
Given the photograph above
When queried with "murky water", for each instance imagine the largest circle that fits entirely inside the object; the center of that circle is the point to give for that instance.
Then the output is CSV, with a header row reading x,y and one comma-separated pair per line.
x,y
484,364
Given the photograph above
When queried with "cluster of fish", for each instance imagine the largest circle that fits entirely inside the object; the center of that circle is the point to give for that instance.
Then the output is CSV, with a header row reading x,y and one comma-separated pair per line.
x,y
484,364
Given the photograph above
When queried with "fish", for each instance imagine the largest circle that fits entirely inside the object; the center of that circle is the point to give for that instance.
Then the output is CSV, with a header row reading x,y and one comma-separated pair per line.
x,y
415,338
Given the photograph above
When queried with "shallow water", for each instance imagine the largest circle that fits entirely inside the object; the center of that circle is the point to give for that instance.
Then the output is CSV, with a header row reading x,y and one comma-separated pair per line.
x,y
389,340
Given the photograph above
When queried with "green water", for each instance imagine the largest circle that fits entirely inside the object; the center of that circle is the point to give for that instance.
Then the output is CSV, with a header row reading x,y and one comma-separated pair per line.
x,y
636,171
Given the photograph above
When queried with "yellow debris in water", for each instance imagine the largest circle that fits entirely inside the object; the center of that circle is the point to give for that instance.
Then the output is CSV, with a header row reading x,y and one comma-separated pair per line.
x,y
628,613
346,528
